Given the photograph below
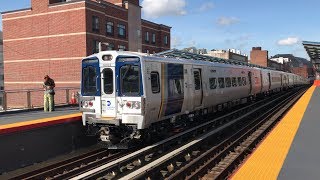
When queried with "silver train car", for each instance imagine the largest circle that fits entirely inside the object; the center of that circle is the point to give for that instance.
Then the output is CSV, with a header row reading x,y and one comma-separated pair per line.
x,y
126,95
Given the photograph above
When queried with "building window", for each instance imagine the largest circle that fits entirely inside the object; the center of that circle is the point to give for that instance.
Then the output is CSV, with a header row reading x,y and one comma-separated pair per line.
x,y
147,37
95,46
95,24
153,38
109,28
121,30
121,48
166,40
110,47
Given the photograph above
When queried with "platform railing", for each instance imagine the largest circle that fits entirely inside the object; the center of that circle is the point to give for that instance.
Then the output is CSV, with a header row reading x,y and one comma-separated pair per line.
x,y
33,98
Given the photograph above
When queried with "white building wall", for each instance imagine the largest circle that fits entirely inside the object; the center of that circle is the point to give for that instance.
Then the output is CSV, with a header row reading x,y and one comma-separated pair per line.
x,y
280,60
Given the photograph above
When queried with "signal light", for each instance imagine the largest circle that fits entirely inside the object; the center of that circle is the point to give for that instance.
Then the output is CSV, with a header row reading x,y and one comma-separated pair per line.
x,y
90,104
128,104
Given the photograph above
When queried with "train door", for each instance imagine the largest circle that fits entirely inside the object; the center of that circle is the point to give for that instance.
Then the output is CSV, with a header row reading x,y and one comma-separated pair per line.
x,y
250,82
153,91
198,91
108,95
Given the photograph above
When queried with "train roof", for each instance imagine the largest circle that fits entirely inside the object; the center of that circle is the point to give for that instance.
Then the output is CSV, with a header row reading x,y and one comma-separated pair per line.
x,y
184,58
160,58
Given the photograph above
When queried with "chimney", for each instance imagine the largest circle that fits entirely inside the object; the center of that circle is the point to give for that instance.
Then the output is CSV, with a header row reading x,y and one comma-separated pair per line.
x,y
256,48
40,5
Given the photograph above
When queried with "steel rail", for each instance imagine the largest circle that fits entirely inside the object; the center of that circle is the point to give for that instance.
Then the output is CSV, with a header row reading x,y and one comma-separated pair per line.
x,y
72,166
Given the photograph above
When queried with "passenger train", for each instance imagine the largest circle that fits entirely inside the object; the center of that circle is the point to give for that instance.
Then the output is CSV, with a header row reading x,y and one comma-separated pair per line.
x,y
125,95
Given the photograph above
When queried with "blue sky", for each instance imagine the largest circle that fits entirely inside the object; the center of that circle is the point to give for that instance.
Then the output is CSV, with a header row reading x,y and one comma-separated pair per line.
x,y
276,25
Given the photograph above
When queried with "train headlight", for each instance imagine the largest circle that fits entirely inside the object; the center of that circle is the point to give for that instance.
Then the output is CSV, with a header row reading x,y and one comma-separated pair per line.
x,y
90,104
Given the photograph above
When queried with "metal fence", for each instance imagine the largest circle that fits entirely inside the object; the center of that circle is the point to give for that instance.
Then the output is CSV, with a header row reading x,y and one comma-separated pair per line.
x,y
33,98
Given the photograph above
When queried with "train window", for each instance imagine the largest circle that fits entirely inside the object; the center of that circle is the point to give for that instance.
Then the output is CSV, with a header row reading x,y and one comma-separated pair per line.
x,y
130,80
107,81
175,87
213,83
228,82
197,81
244,81
221,82
155,83
178,83
239,81
234,82
89,79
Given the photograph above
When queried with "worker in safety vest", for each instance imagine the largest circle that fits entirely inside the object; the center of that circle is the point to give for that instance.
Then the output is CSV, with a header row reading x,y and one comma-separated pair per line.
x,y
48,97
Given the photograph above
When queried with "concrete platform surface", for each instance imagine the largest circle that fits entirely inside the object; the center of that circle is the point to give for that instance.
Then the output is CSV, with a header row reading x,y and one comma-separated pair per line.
x,y
290,151
15,117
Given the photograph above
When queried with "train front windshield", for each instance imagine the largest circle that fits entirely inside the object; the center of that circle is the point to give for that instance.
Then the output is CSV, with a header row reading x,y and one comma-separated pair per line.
x,y
130,80
130,76
90,84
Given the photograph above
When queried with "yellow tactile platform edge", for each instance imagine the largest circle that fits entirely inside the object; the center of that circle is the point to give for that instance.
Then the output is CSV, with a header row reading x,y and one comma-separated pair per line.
x,y
267,160
37,121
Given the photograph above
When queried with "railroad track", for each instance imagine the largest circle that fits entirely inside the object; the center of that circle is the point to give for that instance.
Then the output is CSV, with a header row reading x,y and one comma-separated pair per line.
x,y
73,166
163,159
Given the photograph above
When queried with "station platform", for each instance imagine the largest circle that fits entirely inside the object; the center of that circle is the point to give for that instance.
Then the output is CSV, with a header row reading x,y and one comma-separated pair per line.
x,y
23,120
34,136
291,149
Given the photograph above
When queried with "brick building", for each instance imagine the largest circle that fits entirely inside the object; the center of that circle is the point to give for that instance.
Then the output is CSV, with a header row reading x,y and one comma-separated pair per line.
x,y
53,36
296,65
302,71
282,62
259,56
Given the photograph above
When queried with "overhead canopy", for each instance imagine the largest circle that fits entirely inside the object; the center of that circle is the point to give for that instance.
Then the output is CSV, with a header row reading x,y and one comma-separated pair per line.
x,y
174,53
313,50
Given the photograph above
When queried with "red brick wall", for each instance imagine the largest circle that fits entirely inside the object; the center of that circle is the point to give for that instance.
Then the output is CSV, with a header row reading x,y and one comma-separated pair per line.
x,y
302,71
259,57
160,32
39,5
46,43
